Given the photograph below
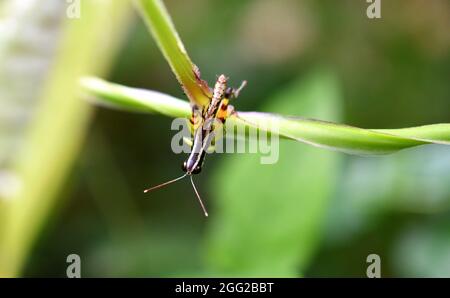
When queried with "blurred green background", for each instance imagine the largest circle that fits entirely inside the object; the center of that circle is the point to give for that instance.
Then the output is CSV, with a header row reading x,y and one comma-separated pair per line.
x,y
71,177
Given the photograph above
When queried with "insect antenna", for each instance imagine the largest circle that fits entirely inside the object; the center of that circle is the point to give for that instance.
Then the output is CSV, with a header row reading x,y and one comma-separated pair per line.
x,y
164,184
238,90
199,198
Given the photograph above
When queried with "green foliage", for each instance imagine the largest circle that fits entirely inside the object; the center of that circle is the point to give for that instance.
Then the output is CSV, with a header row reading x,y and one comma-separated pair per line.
x,y
58,127
347,138
134,100
314,132
266,220
158,20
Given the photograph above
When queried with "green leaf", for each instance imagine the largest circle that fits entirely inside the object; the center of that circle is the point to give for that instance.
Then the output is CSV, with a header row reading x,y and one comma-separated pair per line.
x,y
135,100
347,138
160,24
323,134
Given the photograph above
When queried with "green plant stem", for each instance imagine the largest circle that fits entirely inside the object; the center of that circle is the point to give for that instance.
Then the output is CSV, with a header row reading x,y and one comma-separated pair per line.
x,y
58,128
160,25
324,134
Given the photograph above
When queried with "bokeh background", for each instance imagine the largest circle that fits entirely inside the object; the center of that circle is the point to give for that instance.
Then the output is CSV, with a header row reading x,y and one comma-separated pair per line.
x,y
71,175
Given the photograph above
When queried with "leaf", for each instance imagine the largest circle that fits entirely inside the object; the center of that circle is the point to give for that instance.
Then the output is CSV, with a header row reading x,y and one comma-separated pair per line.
x,y
135,100
161,26
347,138
323,134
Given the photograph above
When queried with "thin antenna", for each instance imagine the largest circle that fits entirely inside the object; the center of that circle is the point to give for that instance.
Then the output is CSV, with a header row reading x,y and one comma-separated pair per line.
x,y
199,199
164,184
243,84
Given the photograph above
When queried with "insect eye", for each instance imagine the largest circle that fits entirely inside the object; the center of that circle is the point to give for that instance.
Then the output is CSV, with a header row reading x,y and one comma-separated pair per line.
x,y
197,170
184,167
228,92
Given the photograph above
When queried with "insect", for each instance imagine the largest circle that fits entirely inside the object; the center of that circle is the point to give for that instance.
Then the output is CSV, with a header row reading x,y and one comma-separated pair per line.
x,y
205,121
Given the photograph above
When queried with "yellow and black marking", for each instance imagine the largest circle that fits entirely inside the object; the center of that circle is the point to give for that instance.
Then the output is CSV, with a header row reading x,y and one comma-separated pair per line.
x,y
222,112
206,123
196,119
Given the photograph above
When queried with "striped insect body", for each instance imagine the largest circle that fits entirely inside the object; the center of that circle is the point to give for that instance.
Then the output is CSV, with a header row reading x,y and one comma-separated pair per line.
x,y
204,123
